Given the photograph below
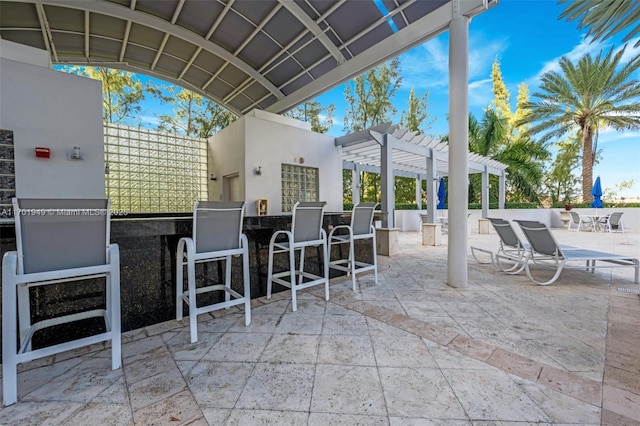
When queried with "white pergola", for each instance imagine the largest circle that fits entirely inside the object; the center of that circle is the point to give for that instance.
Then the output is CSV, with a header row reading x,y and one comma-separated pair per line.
x,y
411,155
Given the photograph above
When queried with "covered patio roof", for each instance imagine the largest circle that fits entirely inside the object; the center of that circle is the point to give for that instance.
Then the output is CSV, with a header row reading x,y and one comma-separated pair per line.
x,y
244,55
268,54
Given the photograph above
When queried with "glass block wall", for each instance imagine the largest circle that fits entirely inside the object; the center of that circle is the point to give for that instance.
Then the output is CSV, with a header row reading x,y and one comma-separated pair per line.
x,y
147,171
298,184
7,173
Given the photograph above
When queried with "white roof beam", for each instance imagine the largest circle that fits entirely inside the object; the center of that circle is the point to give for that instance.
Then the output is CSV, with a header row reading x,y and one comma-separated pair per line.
x,y
418,32
125,41
46,31
87,31
315,29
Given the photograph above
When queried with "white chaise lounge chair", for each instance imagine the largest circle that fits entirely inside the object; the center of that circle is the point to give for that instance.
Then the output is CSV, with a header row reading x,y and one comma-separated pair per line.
x,y
547,252
512,254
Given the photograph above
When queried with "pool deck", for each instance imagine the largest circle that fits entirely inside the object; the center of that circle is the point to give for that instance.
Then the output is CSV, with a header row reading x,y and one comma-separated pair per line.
x,y
410,350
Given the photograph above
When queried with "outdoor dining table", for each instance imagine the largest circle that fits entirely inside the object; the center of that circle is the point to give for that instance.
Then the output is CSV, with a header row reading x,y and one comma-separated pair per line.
x,y
598,221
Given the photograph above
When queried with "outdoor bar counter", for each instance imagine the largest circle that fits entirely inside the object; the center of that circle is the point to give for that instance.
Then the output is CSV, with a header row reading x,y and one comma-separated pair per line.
x,y
147,246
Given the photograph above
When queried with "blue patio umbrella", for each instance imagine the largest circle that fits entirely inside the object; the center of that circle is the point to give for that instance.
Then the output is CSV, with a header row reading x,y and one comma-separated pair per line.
x,y
442,194
597,194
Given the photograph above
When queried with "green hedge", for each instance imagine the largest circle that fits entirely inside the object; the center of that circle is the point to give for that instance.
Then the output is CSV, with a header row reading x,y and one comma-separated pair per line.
x,y
472,206
507,205
588,205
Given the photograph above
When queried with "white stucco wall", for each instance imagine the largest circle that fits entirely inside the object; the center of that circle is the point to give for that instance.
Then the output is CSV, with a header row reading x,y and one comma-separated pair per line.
x,y
226,157
26,54
47,108
264,140
409,220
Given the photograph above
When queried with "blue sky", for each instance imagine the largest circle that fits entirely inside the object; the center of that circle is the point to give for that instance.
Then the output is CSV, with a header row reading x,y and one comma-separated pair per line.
x,y
528,39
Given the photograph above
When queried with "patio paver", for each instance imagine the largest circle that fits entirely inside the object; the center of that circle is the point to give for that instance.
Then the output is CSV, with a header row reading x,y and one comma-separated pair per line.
x,y
410,350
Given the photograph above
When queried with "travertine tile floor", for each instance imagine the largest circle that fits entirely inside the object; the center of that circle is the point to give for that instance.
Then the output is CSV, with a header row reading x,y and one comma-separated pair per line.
x,y
408,351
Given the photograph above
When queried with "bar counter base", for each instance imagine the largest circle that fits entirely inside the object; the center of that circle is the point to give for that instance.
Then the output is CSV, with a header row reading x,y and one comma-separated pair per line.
x,y
147,269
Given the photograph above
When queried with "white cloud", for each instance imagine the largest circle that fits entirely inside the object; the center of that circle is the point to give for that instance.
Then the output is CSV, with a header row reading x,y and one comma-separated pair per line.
x,y
585,46
148,119
427,66
610,135
480,91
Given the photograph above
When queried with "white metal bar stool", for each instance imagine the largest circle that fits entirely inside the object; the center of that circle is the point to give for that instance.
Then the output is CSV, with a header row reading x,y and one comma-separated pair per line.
x,y
361,228
306,231
217,236
58,241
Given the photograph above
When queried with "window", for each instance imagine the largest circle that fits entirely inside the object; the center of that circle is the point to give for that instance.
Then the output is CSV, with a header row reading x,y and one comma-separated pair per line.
x,y
298,184
147,171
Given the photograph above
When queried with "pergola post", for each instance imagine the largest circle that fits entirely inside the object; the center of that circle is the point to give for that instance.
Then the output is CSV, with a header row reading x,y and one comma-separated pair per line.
x,y
419,192
432,193
457,273
355,185
485,193
502,189
386,183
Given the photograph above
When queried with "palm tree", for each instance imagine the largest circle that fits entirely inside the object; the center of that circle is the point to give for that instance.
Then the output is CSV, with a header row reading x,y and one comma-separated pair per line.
x,y
594,94
524,157
604,18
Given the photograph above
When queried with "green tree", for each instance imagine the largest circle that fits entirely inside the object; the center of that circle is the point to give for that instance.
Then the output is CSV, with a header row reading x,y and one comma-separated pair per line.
x,y
501,103
370,102
595,93
611,193
501,96
320,117
605,18
523,156
521,107
414,118
122,92
560,180
370,97
193,115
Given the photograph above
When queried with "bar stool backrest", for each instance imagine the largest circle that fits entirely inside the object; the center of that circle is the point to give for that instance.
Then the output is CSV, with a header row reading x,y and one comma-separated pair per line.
x,y
56,234
217,225
307,221
362,217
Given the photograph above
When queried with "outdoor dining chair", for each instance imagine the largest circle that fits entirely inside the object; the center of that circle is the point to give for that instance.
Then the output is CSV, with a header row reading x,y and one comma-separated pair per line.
x,y
581,222
58,241
613,222
306,231
217,237
360,229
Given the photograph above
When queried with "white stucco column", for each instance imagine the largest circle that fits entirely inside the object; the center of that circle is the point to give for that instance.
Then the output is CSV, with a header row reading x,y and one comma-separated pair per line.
x,y
419,192
457,274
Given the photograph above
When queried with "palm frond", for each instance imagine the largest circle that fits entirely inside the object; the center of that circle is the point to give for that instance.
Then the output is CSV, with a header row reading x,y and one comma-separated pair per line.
x,y
605,18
